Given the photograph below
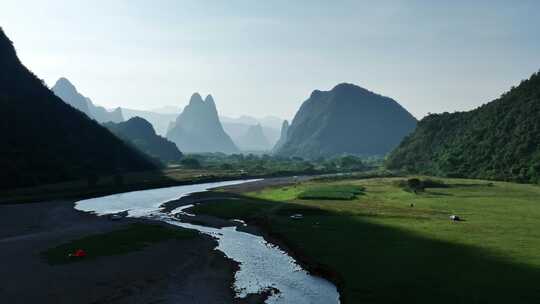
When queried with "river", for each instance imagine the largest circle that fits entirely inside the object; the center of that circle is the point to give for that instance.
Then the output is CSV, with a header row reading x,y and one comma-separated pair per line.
x,y
262,265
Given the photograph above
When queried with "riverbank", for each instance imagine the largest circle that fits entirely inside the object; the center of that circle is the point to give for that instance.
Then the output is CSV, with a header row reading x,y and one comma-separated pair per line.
x,y
259,226
130,182
174,271
389,244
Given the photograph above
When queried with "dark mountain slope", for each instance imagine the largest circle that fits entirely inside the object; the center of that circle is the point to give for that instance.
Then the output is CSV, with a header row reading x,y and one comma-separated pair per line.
x,y
45,140
347,119
499,140
142,135
198,129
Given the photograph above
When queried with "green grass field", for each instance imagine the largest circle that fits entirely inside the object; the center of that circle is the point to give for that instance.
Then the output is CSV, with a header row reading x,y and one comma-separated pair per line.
x,y
334,192
386,251
133,237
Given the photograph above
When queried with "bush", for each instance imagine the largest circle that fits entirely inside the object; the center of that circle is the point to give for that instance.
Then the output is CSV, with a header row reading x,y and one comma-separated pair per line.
x,y
417,185
190,163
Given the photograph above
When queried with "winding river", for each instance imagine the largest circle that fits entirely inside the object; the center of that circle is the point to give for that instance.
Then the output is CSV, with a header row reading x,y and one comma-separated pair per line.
x,y
262,265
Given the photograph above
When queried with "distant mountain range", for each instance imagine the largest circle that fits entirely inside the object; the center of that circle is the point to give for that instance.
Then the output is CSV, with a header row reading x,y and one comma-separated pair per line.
x,y
64,89
160,121
499,140
254,139
346,120
163,118
198,129
237,128
140,133
45,140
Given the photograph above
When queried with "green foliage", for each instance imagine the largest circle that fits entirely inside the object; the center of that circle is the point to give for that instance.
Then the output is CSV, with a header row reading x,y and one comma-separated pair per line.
x,y
417,185
331,192
499,140
190,163
265,164
134,237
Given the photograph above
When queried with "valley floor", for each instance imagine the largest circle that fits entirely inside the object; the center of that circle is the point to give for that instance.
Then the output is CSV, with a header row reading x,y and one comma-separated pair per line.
x,y
389,245
174,271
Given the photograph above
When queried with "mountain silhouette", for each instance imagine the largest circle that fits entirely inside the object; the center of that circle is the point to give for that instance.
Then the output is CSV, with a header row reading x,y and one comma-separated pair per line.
x,y
282,137
198,129
237,127
45,140
159,120
346,120
499,140
140,133
64,89
254,139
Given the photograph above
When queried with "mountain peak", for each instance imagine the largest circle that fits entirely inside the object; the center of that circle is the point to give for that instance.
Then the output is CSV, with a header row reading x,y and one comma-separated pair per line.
x,y
195,98
7,50
209,98
346,85
64,84
198,129
347,119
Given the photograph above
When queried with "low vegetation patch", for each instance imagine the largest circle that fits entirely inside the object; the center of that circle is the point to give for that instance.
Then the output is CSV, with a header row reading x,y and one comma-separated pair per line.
x,y
331,192
420,185
133,237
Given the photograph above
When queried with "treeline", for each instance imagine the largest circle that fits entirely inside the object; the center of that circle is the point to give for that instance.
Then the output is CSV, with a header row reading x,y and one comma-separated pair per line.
x,y
268,164
499,140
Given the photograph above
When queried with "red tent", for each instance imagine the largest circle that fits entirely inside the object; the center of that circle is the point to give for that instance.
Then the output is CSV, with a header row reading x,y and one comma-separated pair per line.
x,y
79,253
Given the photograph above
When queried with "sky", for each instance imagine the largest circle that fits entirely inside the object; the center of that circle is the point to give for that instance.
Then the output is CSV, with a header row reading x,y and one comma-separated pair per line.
x,y
264,58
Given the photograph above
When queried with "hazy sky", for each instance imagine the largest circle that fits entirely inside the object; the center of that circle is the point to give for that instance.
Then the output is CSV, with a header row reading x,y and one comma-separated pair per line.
x,y
265,57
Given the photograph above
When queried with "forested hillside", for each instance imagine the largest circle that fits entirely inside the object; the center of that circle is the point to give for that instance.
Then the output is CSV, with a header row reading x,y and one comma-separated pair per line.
x,y
346,120
499,140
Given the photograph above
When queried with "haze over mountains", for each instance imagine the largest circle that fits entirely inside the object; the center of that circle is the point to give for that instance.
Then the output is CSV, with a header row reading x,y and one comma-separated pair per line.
x,y
64,89
140,133
346,120
282,137
198,129
236,128
161,121
254,139
499,140
45,140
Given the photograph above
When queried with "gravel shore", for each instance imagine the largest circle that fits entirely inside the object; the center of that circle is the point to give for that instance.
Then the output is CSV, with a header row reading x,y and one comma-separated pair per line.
x,y
178,271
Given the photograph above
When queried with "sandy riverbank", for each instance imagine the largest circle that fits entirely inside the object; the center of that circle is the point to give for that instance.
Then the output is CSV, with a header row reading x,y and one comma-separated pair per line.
x,y
179,271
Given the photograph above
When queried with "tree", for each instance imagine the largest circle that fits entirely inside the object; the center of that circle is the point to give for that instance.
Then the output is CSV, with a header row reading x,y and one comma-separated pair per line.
x,y
190,163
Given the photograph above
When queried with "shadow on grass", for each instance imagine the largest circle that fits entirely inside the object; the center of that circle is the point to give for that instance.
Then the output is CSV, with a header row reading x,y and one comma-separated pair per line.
x,y
373,263
437,193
